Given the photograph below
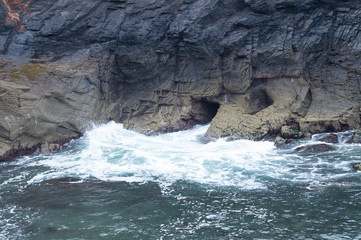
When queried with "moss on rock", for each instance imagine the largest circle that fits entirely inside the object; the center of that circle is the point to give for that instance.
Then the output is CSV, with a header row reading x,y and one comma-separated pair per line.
x,y
14,75
32,70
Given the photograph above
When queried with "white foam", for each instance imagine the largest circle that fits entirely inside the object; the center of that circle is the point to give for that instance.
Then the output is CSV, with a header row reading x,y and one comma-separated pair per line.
x,y
111,153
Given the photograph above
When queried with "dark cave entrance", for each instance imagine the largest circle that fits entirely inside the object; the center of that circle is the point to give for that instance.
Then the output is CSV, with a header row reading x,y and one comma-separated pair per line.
x,y
259,100
205,111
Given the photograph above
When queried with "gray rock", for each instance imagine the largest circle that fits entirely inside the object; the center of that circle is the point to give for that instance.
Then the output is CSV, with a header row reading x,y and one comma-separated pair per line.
x,y
280,142
330,138
284,143
316,148
289,132
355,138
156,66
45,105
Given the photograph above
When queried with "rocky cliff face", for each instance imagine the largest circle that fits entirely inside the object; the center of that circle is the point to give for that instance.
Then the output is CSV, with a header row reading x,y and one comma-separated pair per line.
x,y
257,68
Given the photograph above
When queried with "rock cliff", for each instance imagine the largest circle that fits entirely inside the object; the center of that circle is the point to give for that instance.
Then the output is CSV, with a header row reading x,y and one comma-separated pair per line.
x,y
254,68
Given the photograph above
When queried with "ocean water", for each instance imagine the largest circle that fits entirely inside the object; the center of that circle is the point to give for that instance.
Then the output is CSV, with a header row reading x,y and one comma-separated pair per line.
x,y
117,184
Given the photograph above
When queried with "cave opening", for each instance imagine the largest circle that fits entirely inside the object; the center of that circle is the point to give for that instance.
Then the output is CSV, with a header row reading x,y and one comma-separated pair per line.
x,y
206,111
259,100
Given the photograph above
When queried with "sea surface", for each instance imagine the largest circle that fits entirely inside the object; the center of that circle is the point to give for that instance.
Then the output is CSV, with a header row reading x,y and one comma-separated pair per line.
x,y
117,184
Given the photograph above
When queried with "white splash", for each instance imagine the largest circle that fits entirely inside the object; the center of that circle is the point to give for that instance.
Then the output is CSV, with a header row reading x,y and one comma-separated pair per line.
x,y
111,153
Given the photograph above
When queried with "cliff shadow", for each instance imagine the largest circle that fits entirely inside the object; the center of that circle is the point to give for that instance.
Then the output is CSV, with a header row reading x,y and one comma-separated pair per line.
x,y
205,111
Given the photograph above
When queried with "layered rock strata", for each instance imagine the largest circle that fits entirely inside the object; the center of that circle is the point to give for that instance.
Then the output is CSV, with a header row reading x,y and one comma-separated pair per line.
x,y
254,68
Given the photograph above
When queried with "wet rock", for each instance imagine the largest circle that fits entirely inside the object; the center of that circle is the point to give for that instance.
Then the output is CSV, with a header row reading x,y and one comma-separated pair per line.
x,y
347,137
57,182
316,148
231,139
330,138
205,139
42,108
279,142
290,132
355,138
284,143
357,166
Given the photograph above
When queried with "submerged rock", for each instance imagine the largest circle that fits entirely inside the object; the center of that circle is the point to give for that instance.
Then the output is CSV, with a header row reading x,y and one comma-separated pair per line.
x,y
316,148
205,139
50,229
357,137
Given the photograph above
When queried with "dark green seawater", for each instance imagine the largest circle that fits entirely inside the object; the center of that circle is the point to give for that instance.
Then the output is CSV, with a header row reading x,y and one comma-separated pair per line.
x,y
116,184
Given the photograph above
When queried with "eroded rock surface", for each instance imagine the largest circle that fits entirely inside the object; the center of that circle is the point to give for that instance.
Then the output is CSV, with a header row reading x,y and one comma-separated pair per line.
x,y
44,105
254,67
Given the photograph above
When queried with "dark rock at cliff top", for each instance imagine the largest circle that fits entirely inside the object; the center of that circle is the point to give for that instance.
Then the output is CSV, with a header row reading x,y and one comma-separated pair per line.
x,y
157,66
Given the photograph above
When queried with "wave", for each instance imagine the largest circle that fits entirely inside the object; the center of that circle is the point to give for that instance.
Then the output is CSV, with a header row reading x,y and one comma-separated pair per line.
x,y
111,153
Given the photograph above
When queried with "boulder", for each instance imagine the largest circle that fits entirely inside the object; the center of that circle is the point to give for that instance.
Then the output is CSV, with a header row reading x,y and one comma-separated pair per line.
x,y
357,166
330,138
355,138
289,132
284,143
316,148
